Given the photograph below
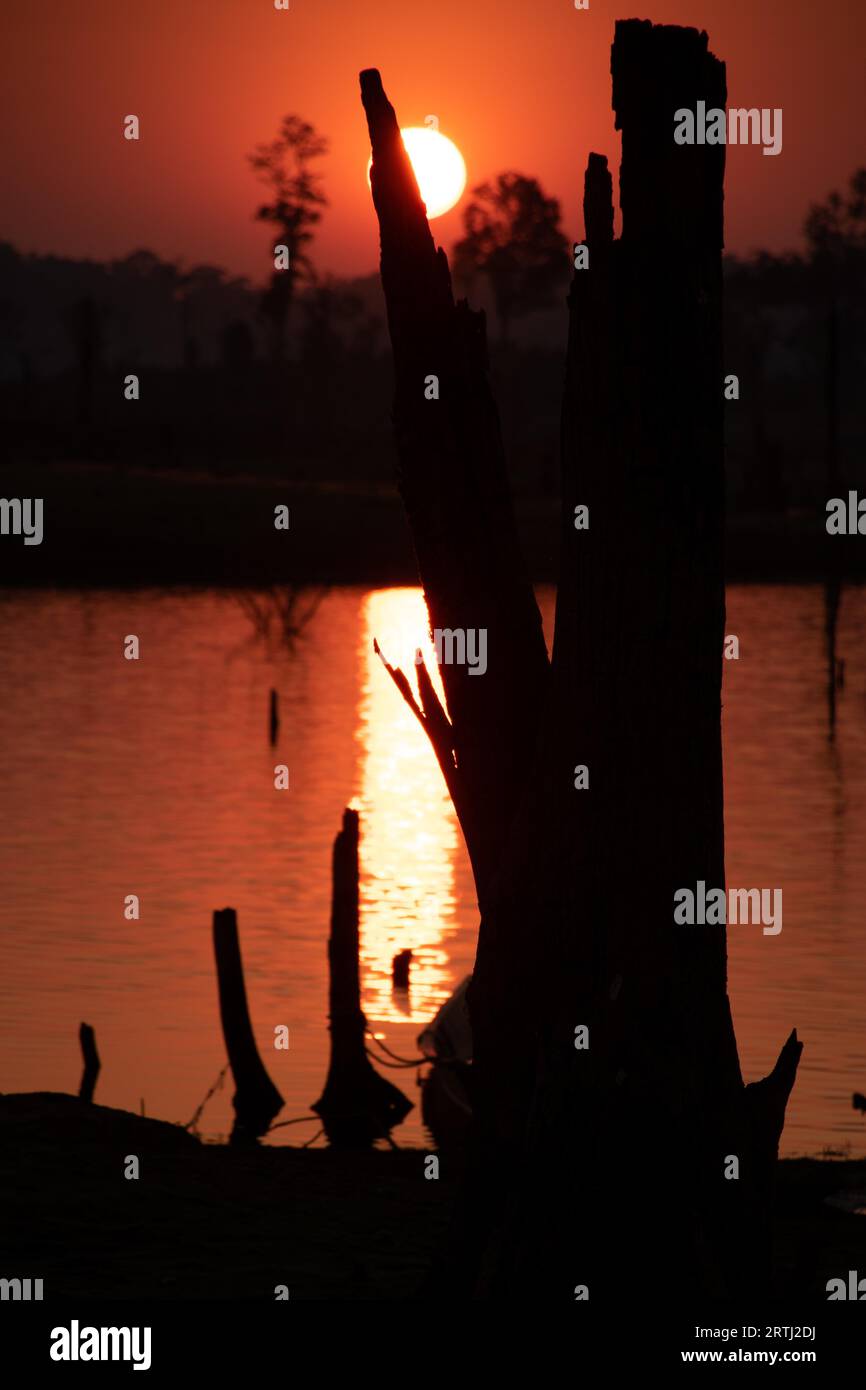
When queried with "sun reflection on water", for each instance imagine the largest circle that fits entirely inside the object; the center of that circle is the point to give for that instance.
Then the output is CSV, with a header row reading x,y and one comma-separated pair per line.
x,y
409,831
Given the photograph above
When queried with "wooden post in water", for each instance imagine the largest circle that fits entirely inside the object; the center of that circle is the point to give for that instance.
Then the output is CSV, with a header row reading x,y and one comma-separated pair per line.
x,y
256,1099
274,716
833,566
92,1064
400,969
357,1105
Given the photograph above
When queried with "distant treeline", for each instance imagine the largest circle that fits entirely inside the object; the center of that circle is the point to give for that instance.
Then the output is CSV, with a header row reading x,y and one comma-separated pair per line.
x,y
143,312
212,395
795,335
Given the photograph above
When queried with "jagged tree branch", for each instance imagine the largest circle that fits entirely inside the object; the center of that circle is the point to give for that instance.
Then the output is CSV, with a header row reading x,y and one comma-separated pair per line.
x,y
453,481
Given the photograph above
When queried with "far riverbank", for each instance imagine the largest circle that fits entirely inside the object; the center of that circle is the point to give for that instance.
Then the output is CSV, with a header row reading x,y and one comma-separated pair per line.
x,y
106,527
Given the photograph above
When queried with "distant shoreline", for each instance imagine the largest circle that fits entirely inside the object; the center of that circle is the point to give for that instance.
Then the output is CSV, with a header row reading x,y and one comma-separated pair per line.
x,y
107,527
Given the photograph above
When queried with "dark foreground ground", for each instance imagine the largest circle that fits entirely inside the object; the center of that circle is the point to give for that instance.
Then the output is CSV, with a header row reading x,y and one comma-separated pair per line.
x,y
206,1221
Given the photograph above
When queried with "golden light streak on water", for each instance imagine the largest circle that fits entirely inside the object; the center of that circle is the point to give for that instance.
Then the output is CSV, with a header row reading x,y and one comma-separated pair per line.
x,y
410,832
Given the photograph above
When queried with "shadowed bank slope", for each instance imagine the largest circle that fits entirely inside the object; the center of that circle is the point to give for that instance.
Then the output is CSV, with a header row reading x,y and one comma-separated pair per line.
x,y
206,1221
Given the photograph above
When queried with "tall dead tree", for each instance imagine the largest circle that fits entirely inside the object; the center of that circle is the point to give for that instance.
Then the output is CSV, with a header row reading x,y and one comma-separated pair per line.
x,y
589,1161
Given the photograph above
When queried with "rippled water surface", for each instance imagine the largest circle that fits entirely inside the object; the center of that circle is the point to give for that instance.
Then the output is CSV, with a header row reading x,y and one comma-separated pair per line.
x,y
156,778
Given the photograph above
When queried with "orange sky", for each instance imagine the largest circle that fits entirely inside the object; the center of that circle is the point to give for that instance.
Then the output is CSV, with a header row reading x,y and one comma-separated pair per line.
x,y
520,84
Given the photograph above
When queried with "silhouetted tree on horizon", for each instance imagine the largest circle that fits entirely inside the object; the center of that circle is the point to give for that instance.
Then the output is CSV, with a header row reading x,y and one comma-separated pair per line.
x,y
284,165
837,227
512,236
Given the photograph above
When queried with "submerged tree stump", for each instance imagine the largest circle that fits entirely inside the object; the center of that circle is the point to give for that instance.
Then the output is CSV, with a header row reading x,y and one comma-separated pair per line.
x,y
256,1100
357,1105
92,1064
400,966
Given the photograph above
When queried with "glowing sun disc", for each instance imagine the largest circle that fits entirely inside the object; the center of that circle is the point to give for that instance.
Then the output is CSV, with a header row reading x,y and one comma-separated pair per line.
x,y
438,166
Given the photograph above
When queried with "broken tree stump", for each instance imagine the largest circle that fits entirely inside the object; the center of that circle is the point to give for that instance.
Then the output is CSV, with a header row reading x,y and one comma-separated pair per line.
x,y
357,1105
92,1064
256,1100
576,892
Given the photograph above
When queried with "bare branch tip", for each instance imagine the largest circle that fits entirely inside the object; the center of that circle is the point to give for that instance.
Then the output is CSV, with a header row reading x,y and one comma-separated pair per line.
x,y
371,82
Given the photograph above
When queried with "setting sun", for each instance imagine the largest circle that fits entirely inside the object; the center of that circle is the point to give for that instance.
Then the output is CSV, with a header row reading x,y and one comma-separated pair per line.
x,y
439,168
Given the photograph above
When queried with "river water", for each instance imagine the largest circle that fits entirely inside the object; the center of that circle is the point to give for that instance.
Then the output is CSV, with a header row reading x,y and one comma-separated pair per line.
x,y
156,778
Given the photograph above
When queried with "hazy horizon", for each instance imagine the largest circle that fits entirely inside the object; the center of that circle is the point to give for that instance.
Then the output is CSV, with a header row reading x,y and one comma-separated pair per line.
x,y
530,91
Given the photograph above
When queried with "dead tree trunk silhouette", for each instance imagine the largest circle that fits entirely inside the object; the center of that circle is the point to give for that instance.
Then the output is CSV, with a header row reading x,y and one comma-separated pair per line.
x,y
357,1105
256,1100
589,1162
